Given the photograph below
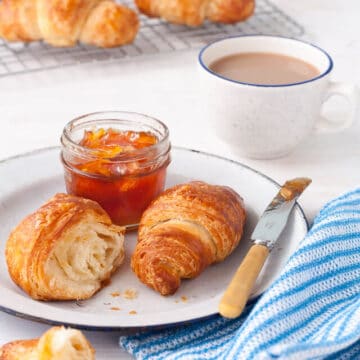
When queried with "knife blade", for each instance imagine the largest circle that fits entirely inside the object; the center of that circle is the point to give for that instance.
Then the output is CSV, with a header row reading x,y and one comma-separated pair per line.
x,y
276,215
264,237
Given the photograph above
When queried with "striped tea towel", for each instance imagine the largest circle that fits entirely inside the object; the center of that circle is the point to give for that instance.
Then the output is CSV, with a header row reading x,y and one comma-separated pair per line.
x,y
312,311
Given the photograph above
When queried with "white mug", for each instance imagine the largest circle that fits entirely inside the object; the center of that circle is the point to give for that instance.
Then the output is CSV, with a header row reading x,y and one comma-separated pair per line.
x,y
269,121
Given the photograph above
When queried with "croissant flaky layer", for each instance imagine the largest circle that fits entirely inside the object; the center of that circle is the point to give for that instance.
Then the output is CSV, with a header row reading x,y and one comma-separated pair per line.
x,y
57,343
195,12
183,231
103,23
66,250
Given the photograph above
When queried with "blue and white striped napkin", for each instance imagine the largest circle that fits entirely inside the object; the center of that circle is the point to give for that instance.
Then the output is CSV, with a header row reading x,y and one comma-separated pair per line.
x,y
312,311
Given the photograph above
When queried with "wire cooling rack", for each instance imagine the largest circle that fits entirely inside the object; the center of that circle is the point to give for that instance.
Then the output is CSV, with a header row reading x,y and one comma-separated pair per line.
x,y
155,36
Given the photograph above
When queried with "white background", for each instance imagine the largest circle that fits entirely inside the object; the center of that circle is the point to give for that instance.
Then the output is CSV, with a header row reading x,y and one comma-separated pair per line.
x,y
35,108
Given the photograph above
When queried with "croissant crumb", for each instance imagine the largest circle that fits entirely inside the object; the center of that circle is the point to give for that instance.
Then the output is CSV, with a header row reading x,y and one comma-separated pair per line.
x,y
130,294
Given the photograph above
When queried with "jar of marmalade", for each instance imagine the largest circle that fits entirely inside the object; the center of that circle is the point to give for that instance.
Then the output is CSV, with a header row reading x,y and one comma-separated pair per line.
x,y
118,159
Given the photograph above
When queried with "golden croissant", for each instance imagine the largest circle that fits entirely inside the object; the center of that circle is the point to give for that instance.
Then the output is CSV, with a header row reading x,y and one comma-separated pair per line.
x,y
64,22
195,12
65,250
186,229
57,343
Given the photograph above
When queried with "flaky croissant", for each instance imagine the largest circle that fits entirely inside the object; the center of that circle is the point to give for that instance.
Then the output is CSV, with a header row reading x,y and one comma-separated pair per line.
x,y
183,231
66,250
195,12
101,23
57,343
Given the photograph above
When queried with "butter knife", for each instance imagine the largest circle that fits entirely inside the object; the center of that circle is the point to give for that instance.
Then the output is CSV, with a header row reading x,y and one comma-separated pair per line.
x,y
264,237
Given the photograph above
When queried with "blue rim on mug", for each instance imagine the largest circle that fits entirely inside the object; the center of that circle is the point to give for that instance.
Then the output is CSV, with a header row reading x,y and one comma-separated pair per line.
x,y
206,68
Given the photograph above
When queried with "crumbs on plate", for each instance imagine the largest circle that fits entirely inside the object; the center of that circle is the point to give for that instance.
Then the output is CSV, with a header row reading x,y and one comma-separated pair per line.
x,y
130,294
132,312
115,308
115,294
183,299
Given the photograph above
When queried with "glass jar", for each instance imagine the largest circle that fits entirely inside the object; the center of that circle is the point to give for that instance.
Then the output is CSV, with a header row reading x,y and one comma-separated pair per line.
x,y
122,177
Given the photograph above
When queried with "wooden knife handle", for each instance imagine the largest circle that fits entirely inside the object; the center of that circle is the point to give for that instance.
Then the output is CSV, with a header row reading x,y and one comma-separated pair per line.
x,y
239,289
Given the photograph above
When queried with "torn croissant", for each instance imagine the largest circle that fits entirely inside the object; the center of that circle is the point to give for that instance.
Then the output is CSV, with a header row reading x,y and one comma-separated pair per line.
x,y
57,343
186,229
103,23
195,12
66,250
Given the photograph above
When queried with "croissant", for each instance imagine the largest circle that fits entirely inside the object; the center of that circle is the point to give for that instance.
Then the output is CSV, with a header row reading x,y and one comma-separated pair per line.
x,y
187,228
195,12
57,343
64,22
66,250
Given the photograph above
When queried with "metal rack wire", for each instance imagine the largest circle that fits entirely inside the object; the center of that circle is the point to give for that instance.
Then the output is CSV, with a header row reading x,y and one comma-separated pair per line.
x,y
155,36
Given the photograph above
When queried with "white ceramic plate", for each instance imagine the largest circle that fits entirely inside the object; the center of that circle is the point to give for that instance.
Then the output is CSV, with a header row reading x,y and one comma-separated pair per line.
x,y
28,180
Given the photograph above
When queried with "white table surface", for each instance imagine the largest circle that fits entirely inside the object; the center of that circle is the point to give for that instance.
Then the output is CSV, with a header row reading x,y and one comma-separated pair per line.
x,y
34,109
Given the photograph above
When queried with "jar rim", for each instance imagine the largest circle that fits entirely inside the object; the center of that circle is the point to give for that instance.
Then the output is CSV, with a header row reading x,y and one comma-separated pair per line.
x,y
136,154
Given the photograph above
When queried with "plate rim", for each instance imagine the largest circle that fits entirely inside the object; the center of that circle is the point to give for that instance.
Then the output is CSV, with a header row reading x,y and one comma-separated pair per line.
x,y
133,329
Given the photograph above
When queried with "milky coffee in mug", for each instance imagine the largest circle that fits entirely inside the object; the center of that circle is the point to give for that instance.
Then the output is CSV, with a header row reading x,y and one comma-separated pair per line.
x,y
264,68
274,102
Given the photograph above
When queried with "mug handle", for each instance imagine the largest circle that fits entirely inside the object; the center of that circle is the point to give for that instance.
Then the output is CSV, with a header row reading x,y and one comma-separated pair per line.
x,y
349,92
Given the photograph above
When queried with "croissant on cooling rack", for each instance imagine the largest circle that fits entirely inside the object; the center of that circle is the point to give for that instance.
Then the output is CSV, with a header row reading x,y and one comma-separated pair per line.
x,y
101,23
195,12
57,343
183,231
65,250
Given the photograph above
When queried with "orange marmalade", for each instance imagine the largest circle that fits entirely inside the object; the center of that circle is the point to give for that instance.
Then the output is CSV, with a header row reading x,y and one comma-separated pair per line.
x,y
123,170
